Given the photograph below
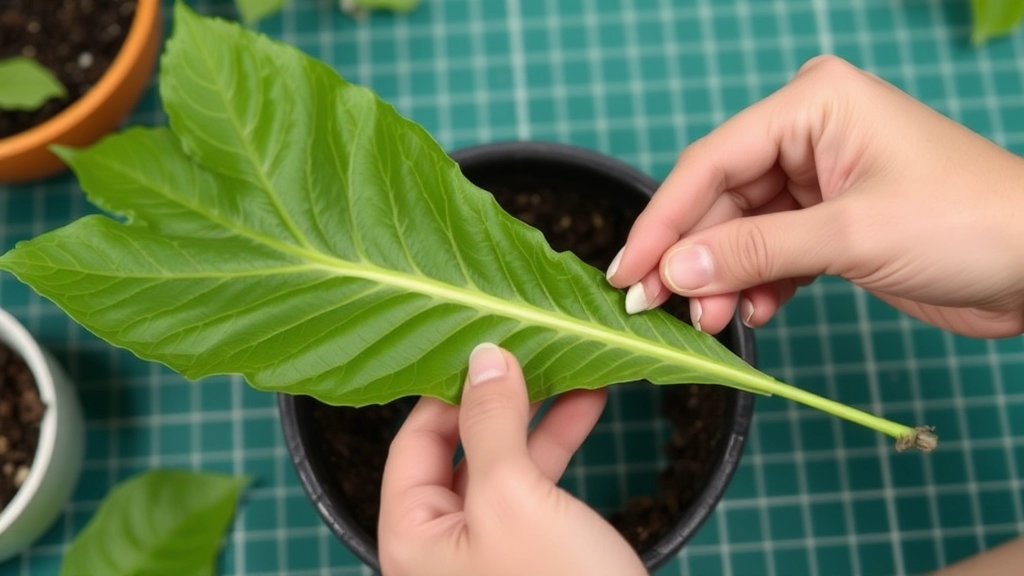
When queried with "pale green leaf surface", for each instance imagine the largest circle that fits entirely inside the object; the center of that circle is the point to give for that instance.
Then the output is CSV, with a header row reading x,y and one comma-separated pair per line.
x,y
26,84
253,10
296,230
160,523
992,18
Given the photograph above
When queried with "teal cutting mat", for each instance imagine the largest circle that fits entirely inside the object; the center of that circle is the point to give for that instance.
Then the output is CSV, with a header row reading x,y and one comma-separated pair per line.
x,y
637,79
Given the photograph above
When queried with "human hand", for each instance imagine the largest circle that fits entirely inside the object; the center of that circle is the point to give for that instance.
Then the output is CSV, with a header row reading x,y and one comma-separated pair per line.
x,y
499,512
836,173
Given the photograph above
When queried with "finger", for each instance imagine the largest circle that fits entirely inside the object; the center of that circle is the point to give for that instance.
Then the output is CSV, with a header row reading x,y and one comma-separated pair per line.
x,y
647,294
731,204
563,429
761,191
650,292
713,313
495,412
746,252
781,203
460,478
420,459
740,151
759,304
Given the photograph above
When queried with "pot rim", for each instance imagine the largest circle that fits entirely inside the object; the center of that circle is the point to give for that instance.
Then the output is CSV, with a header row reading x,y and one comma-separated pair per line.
x,y
20,341
144,25
739,411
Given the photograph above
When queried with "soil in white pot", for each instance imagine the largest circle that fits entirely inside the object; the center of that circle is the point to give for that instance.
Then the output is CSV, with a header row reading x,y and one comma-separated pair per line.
x,y
21,414
77,40
593,227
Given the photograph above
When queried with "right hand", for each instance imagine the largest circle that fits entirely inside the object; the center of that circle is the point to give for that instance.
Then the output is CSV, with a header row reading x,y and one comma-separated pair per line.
x,y
837,173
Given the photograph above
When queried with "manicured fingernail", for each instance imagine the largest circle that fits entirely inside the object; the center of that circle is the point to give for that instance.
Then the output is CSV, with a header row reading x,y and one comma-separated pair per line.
x,y
614,266
636,299
695,312
746,311
689,268
486,362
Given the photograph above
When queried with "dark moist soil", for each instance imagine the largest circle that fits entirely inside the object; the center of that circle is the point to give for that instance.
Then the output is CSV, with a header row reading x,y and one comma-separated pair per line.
x,y
21,412
577,219
76,39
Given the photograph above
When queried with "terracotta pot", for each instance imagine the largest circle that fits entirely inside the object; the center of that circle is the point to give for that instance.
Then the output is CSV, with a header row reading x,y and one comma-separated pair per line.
x,y
25,156
605,175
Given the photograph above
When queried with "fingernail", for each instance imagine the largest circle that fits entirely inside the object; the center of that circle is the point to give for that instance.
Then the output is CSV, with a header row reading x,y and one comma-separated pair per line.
x,y
695,312
746,311
614,266
636,299
486,362
689,268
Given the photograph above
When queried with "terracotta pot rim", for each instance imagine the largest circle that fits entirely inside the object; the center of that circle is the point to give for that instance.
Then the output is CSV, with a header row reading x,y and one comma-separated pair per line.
x,y
143,26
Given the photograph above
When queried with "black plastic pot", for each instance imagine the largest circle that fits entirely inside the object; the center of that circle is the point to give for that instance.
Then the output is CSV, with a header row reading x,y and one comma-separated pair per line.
x,y
631,187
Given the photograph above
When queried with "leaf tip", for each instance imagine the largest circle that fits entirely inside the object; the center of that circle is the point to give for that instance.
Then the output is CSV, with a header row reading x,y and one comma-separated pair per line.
x,y
65,153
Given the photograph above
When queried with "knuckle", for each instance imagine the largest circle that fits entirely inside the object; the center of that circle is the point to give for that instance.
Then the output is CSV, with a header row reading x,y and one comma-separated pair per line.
x,y
695,152
483,409
831,75
688,153
700,156
826,65
751,255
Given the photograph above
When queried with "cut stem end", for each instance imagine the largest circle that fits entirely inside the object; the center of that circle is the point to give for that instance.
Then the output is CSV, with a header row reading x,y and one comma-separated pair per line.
x,y
922,438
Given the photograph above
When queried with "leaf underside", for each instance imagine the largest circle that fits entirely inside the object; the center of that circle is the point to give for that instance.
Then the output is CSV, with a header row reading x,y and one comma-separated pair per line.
x,y
161,523
293,228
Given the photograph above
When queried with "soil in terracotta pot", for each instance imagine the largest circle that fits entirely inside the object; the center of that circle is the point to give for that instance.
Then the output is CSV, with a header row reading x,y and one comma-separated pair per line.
x,y
76,39
21,413
573,218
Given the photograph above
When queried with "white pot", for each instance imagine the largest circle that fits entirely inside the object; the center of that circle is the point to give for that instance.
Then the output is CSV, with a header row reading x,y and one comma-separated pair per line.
x,y
58,459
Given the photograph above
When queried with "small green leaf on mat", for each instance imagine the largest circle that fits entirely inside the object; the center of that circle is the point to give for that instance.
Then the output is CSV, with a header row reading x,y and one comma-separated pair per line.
x,y
253,10
26,84
992,18
358,7
295,229
160,523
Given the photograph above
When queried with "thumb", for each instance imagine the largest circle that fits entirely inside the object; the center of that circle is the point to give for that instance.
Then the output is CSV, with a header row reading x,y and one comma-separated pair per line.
x,y
495,411
747,252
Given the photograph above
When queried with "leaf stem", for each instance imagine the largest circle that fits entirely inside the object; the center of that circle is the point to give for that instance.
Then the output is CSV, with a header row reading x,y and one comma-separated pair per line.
x,y
922,437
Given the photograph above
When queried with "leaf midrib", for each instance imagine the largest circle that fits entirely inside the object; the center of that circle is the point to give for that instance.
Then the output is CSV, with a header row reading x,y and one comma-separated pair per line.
x,y
520,311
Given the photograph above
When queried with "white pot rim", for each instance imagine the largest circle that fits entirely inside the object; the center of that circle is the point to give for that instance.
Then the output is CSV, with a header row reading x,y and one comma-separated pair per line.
x,y
22,343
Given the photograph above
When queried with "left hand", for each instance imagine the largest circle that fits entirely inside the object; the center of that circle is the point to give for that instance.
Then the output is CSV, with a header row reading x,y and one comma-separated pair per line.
x,y
499,512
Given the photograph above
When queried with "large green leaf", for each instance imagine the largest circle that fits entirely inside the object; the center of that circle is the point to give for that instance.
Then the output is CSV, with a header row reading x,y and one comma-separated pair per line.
x,y
161,523
26,84
993,18
293,228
